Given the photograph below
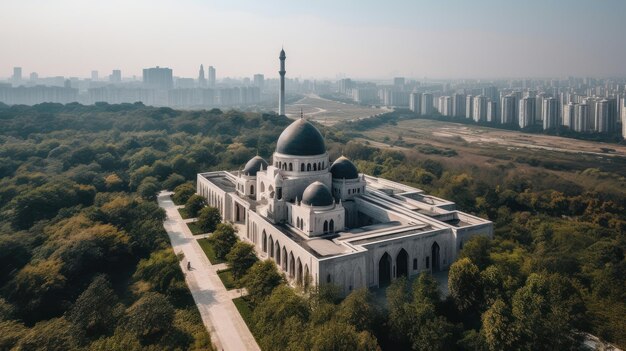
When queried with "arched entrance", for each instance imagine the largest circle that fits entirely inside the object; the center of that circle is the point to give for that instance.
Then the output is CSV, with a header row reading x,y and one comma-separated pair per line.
x,y
277,256
271,248
384,270
307,277
292,265
435,257
402,264
264,238
299,272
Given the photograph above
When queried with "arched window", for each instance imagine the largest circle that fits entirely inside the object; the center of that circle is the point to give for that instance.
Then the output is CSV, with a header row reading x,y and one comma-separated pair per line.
x,y
251,189
262,187
331,226
308,167
323,165
290,166
315,166
302,167
325,227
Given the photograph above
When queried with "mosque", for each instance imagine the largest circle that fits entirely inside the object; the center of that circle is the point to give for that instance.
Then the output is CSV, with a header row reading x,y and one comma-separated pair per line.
x,y
324,222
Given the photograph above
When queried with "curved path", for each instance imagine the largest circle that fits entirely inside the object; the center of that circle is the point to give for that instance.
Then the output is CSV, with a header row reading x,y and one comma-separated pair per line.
x,y
220,316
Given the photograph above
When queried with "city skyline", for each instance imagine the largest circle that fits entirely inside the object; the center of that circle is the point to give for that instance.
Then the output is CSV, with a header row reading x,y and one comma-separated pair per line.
x,y
365,40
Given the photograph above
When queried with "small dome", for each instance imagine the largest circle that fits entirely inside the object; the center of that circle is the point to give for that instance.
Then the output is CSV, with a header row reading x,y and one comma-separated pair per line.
x,y
301,138
317,194
254,165
343,168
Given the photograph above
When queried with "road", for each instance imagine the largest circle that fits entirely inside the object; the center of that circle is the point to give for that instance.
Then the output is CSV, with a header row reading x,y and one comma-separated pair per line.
x,y
219,314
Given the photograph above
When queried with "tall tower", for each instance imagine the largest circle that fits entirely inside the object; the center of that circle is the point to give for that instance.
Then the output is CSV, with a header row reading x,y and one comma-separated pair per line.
x,y
281,96
201,79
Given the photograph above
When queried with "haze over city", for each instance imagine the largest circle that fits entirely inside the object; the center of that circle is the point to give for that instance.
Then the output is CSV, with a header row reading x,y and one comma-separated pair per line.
x,y
325,39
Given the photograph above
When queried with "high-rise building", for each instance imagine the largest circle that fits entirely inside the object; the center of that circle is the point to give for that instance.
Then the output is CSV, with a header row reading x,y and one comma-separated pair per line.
x,y
480,108
158,78
458,105
601,116
527,110
569,115
345,86
415,102
581,118
398,83
469,106
281,95
509,114
94,76
116,76
259,81
550,111
623,108
492,111
17,75
427,104
201,77
34,76
212,76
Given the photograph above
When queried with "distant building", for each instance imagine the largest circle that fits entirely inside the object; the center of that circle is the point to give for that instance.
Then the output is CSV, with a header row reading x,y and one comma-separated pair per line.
x,y
201,77
492,111
601,122
458,105
158,78
17,75
469,106
581,118
445,105
212,76
34,76
550,113
94,76
569,115
623,108
527,111
116,76
259,81
415,102
345,86
399,83
427,104
368,95
480,108
509,110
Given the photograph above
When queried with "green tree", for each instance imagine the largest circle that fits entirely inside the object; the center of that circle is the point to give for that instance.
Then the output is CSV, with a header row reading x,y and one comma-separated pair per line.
x,y
464,284
97,309
477,249
150,316
183,192
261,279
359,310
208,219
194,204
426,289
55,334
340,336
499,327
148,188
223,239
240,258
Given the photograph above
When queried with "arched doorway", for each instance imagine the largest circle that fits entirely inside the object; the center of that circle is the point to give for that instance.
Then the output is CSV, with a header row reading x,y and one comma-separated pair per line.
x,y
285,259
384,270
264,238
299,272
435,257
325,227
277,256
402,264
292,265
331,226
307,277
271,248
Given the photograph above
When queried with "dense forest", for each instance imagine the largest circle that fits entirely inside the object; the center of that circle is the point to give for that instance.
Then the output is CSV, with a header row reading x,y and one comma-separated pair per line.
x,y
87,264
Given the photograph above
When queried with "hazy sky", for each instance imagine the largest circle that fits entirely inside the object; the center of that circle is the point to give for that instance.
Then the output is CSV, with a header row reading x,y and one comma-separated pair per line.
x,y
322,38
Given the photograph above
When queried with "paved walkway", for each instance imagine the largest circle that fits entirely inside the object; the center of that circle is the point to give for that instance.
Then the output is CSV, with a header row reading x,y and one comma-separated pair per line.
x,y
219,314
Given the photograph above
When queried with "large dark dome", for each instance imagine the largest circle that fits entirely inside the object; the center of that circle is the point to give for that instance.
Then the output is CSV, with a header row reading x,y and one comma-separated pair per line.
x,y
254,165
317,194
301,138
343,168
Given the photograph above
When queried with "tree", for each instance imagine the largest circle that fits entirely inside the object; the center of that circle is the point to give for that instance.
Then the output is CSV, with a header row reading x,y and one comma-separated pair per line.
x,y
477,249
148,188
194,204
55,334
183,192
208,219
339,336
464,285
240,258
173,181
223,239
359,310
499,328
149,316
261,279
426,289
97,309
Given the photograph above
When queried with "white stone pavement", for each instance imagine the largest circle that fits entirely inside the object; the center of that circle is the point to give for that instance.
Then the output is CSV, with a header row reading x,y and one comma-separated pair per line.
x,y
219,314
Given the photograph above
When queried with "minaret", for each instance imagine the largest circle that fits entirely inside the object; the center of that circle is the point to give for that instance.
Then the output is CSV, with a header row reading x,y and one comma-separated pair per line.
x,y
281,96
201,79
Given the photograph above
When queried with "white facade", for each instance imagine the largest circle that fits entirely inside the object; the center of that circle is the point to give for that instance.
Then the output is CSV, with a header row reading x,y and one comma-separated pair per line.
x,y
326,223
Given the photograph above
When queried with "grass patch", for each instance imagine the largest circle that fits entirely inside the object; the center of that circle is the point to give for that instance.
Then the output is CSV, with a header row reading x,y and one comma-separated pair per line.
x,y
183,213
206,246
195,228
227,278
245,309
